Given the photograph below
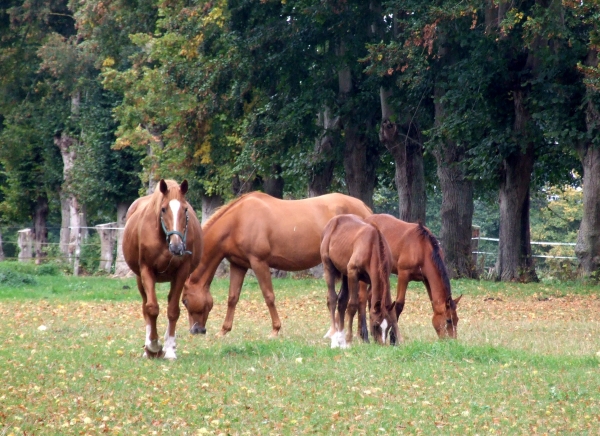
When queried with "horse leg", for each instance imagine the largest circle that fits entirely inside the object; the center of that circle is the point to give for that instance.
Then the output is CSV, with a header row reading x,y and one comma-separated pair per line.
x,y
403,278
352,302
150,309
363,295
339,339
236,279
332,297
173,311
263,275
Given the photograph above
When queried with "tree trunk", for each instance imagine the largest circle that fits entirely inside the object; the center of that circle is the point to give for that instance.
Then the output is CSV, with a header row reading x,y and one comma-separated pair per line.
x,y
359,166
358,160
456,212
457,203
273,184
323,164
515,262
407,152
1,248
121,268
40,230
209,204
69,204
588,239
64,224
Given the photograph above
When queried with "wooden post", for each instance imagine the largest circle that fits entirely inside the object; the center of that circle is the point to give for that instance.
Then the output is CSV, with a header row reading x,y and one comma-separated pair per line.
x,y
25,245
108,236
77,231
121,267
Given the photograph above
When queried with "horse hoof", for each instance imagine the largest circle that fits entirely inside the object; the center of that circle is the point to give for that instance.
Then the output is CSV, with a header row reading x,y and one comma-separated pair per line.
x,y
154,354
274,334
221,334
170,355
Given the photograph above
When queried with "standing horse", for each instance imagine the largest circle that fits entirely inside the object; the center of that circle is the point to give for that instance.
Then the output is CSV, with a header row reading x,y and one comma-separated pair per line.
x,y
260,232
357,251
156,254
417,256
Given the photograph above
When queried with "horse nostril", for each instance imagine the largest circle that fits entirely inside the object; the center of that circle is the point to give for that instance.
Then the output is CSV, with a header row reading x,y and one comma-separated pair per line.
x,y
197,329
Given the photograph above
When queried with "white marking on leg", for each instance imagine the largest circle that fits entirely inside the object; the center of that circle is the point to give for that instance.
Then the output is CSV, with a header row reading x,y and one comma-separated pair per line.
x,y
330,332
338,340
169,347
384,329
148,329
342,339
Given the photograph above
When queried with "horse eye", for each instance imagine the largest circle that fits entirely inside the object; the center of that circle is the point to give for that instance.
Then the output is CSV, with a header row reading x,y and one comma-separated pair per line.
x,y
163,210
449,321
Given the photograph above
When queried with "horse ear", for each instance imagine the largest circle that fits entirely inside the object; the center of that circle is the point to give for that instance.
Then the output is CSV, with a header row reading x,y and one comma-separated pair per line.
x,y
458,299
163,187
183,187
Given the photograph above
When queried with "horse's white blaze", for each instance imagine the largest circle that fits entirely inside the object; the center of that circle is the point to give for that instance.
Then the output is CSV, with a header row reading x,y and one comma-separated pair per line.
x,y
169,347
175,205
384,327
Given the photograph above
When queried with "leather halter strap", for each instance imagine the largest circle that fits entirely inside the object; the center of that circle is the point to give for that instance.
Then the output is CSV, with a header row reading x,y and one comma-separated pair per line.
x,y
183,236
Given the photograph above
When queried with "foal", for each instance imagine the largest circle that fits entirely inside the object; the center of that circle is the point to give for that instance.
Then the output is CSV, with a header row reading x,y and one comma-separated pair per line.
x,y
357,251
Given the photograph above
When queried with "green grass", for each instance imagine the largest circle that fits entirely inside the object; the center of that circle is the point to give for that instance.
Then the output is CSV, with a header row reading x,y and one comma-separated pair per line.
x,y
525,363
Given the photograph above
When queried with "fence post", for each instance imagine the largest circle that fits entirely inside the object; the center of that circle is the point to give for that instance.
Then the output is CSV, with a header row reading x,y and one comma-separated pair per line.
x,y
77,246
121,267
25,245
107,233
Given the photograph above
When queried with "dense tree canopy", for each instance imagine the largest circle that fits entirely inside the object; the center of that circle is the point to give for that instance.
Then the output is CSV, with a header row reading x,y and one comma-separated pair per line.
x,y
464,102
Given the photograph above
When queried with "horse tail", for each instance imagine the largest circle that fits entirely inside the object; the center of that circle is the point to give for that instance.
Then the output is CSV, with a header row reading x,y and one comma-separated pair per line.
x,y
327,232
438,262
384,264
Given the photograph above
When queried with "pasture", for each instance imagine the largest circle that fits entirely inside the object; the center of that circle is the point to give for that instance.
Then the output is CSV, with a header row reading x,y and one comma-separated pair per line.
x,y
527,361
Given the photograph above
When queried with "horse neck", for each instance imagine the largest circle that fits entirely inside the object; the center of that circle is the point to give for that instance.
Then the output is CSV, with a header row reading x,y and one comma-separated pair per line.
x,y
212,255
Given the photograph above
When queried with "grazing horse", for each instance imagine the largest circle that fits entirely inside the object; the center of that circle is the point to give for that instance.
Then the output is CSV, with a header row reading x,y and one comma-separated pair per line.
x,y
260,232
162,242
417,256
357,251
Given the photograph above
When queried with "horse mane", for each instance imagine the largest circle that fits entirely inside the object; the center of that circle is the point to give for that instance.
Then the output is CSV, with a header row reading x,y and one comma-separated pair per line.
x,y
220,211
437,260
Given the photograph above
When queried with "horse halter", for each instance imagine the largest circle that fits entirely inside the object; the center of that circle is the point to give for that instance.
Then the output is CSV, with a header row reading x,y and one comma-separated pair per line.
x,y
175,232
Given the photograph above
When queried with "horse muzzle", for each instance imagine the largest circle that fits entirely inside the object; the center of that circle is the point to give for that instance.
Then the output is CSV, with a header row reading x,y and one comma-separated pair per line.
x,y
176,249
197,329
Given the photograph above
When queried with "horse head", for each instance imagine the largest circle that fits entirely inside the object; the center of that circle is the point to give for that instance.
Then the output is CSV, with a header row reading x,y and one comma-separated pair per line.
x,y
383,321
447,328
174,216
199,303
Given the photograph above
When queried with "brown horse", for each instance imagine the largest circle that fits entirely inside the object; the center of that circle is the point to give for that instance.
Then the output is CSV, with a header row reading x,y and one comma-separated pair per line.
x,y
156,254
417,256
357,251
260,232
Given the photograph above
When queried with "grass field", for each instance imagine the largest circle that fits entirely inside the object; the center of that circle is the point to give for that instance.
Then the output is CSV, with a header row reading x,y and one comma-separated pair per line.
x,y
527,361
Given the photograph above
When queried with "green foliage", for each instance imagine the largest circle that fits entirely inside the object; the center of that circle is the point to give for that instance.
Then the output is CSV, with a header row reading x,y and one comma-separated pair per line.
x,y
15,279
